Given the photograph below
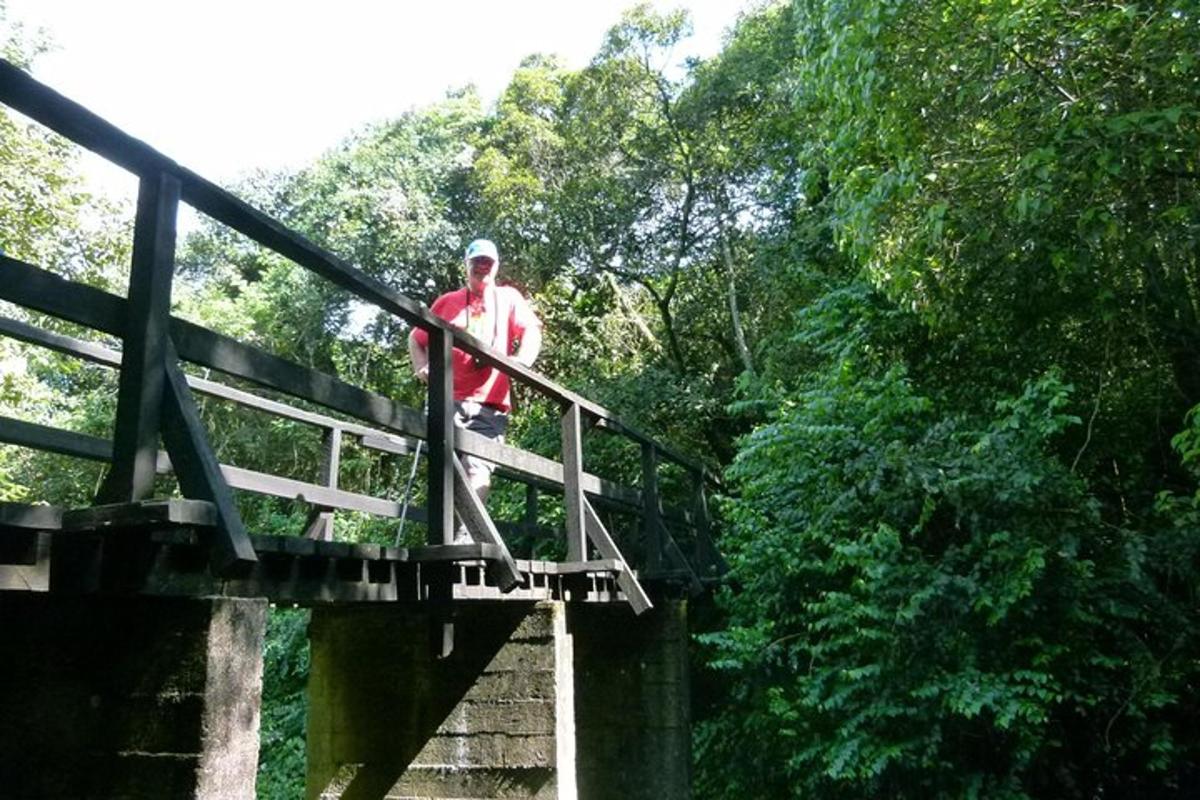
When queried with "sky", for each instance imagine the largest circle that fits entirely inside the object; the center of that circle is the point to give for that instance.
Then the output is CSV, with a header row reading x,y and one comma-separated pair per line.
x,y
228,86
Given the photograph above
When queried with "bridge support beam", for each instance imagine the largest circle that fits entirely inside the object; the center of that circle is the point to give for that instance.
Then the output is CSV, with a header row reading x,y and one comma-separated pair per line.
x,y
131,697
556,700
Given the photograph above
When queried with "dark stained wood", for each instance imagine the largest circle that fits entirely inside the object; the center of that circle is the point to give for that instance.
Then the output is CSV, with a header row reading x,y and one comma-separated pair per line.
x,y
202,346
140,389
572,449
639,601
214,389
37,289
227,355
289,545
712,563
99,354
676,556
479,523
476,551
88,351
651,522
42,437
198,471
385,443
315,494
320,524
440,441
141,514
92,448
572,567
30,517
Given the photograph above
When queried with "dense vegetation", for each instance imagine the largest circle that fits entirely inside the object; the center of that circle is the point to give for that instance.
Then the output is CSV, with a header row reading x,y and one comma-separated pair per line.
x,y
922,278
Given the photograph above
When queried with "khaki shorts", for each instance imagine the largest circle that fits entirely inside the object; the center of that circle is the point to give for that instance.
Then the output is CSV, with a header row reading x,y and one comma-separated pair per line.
x,y
485,420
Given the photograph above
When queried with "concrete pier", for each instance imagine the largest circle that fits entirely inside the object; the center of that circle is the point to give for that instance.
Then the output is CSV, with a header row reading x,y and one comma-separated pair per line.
x,y
535,701
129,698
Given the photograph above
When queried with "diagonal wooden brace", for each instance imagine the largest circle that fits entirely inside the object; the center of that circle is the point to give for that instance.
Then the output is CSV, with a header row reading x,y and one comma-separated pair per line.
x,y
607,548
198,470
479,523
671,548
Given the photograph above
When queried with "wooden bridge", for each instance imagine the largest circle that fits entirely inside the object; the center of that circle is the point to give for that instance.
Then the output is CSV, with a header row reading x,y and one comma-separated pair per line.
x,y
130,544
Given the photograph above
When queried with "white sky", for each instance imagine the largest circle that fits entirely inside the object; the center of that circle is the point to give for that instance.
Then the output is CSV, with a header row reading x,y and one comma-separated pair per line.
x,y
227,86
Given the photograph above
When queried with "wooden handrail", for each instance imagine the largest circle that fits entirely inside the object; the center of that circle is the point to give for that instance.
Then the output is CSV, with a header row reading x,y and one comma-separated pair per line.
x,y
39,102
152,378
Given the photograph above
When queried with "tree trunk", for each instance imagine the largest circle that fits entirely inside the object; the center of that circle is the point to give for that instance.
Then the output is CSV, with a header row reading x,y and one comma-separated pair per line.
x,y
735,316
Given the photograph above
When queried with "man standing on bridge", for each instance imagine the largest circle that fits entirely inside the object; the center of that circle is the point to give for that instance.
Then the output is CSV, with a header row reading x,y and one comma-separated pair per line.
x,y
499,316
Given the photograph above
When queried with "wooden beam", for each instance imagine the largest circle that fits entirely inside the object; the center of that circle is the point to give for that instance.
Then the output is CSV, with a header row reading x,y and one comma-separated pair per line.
x,y
200,346
141,514
634,593
322,496
140,388
572,450
479,523
676,555
53,440
30,517
441,432
199,472
88,351
37,289
712,563
320,523
204,347
651,512
93,448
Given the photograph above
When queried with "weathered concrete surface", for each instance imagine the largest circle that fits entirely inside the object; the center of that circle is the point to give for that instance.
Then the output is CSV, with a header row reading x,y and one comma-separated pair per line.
x,y
129,698
556,700
632,711
389,720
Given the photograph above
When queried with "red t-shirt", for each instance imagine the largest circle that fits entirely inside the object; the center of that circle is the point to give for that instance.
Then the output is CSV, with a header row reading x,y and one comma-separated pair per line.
x,y
500,317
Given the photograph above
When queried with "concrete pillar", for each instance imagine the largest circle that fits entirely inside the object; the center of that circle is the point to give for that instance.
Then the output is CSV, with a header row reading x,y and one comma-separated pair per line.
x,y
632,710
556,700
389,720
129,698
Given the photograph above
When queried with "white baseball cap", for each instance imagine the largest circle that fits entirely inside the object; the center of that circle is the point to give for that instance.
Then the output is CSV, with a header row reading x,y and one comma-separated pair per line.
x,y
482,248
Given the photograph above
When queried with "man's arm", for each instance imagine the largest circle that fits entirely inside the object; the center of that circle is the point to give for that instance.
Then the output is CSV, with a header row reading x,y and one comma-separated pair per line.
x,y
419,357
531,345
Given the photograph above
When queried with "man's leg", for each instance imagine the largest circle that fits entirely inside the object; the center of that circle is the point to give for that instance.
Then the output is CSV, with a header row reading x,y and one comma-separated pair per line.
x,y
488,422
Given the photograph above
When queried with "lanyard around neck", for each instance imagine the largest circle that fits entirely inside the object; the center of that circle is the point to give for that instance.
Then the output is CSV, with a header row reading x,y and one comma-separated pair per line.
x,y
483,302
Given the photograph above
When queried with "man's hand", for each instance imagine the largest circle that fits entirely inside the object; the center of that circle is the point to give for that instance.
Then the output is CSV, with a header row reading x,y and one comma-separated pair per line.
x,y
422,374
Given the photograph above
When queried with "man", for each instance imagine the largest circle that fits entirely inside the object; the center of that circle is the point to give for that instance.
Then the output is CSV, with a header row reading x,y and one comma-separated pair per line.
x,y
499,316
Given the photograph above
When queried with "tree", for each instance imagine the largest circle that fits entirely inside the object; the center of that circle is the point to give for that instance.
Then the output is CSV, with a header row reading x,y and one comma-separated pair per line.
x,y
956,579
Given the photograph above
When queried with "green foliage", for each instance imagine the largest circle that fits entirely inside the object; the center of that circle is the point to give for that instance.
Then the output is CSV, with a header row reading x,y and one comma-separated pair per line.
x,y
964,550
281,770
931,605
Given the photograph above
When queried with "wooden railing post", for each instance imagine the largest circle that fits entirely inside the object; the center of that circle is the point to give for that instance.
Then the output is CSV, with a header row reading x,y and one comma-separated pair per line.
x,y
572,455
320,525
143,361
707,555
440,438
651,513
